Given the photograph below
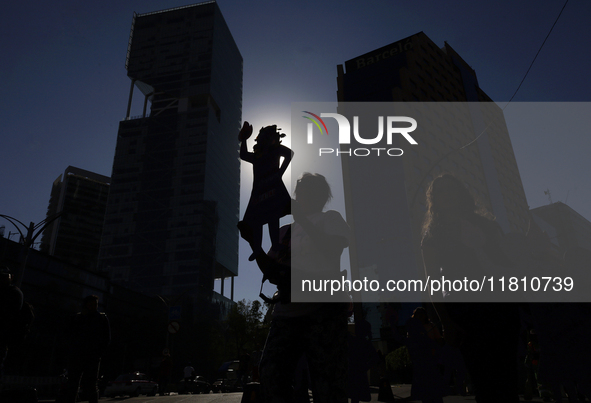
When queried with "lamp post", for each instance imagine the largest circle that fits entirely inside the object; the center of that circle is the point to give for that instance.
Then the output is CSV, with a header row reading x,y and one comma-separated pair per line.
x,y
167,310
168,306
32,232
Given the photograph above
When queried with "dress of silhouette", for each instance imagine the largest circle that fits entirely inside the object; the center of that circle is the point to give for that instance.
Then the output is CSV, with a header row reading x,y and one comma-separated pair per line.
x,y
269,200
456,239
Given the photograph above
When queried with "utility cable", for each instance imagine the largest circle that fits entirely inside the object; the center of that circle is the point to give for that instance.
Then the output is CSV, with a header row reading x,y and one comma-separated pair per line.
x,y
483,131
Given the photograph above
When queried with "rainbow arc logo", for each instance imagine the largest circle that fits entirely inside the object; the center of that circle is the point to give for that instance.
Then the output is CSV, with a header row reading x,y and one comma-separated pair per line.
x,y
318,119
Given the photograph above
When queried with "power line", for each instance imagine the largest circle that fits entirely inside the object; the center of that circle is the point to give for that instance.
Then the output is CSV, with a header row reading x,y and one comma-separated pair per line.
x,y
483,131
536,56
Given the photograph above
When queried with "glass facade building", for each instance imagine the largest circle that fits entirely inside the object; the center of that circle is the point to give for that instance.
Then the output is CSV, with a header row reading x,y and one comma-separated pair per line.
x,y
170,226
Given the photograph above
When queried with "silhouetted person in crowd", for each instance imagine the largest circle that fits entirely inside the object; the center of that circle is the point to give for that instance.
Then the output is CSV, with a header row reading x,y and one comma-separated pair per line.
x,y
269,200
11,302
256,359
243,367
316,330
531,362
562,331
164,372
301,381
90,334
362,357
188,373
423,343
458,241
454,368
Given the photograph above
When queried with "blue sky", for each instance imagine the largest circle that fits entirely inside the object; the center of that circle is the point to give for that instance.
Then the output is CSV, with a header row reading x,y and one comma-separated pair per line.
x,y
65,89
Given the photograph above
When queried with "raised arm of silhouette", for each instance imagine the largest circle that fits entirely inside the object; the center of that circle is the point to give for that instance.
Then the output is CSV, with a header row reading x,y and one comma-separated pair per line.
x,y
315,330
269,199
458,236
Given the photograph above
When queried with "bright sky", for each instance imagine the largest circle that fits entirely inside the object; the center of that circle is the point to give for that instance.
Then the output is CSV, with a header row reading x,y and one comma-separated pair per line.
x,y
65,89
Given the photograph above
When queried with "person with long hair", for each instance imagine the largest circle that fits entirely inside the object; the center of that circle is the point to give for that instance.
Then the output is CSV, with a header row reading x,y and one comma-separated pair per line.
x,y
460,239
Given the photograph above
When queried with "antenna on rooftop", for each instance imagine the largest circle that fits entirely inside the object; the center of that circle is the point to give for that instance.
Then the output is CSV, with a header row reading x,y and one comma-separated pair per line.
x,y
547,193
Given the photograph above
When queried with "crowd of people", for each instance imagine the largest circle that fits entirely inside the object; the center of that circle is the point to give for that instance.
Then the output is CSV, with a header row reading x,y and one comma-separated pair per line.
x,y
309,346
479,340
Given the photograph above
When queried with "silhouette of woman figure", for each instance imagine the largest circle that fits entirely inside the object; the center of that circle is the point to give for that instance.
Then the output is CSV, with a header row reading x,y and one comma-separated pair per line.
x,y
456,236
269,200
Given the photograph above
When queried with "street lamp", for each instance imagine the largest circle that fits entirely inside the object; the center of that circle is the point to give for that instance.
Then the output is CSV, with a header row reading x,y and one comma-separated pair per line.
x,y
168,306
29,239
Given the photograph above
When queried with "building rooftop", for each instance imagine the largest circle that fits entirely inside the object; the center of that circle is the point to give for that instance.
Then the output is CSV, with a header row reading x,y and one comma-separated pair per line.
x,y
175,8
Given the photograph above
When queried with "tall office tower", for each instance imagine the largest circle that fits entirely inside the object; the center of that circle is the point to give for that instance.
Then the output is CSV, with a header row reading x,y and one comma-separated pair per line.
x,y
170,227
416,70
81,198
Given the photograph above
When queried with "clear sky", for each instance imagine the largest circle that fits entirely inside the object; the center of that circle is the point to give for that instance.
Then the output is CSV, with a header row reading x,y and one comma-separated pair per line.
x,y
64,86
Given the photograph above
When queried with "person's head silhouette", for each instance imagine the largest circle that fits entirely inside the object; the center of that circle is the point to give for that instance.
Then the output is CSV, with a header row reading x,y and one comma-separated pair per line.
x,y
269,136
312,192
447,194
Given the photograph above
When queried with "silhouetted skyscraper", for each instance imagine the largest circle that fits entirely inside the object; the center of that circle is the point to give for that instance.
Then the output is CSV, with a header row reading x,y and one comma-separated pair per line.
x,y
170,226
415,70
81,198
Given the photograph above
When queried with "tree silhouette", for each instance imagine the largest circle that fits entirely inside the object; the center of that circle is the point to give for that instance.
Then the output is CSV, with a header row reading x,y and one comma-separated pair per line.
x,y
246,328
